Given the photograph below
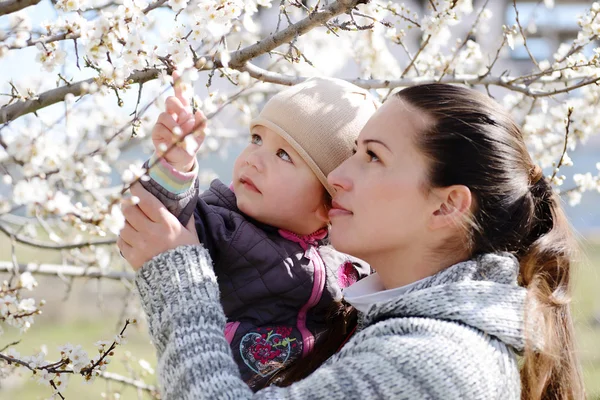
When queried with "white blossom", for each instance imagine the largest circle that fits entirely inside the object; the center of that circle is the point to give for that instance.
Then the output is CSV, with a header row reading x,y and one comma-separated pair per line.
x,y
114,221
177,5
59,204
50,55
574,198
27,281
146,366
132,173
586,181
33,191
68,5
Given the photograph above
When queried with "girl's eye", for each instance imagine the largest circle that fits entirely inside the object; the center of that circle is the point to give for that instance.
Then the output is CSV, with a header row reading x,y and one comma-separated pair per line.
x,y
283,155
255,139
372,156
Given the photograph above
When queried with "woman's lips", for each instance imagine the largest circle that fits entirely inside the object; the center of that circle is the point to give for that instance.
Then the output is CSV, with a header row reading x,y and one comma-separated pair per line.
x,y
248,184
337,210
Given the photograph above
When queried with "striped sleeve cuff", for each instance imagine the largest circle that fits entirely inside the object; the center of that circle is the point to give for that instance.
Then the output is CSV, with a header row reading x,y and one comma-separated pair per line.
x,y
170,178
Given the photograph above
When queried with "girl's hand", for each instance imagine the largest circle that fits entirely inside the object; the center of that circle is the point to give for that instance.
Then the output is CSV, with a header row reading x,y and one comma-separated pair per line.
x,y
150,229
175,122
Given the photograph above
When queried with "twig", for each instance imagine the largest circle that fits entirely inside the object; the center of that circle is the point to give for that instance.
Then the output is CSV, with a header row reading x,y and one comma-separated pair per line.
x,y
131,382
564,151
523,35
412,62
407,19
449,63
70,271
55,388
496,57
10,345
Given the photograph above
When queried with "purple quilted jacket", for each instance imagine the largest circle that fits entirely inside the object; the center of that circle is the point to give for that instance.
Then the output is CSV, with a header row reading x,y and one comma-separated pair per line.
x,y
276,287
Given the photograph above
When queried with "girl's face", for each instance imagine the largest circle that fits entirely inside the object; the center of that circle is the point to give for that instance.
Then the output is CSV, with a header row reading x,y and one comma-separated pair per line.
x,y
380,206
274,185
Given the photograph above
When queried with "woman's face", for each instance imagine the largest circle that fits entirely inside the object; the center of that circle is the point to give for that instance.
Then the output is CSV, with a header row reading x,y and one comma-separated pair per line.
x,y
380,205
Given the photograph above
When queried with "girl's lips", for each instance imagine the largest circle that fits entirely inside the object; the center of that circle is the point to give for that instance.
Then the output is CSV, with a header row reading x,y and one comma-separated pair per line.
x,y
248,184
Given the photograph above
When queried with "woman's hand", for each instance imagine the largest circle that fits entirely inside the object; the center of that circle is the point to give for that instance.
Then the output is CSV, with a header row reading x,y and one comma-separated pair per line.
x,y
150,229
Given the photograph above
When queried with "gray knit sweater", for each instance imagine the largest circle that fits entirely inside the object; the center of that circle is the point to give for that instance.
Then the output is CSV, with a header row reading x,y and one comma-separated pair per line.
x,y
453,336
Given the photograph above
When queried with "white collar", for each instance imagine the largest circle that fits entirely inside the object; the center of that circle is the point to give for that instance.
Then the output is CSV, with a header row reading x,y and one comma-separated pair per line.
x,y
370,290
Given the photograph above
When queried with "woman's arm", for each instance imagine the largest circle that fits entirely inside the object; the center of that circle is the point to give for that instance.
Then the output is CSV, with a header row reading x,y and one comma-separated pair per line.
x,y
391,360
180,296
397,359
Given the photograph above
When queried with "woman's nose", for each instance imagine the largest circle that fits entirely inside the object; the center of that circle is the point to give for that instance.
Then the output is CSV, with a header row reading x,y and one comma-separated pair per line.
x,y
339,178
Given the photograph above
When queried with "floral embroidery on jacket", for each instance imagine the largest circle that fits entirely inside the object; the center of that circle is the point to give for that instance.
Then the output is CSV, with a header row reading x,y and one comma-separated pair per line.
x,y
265,350
347,274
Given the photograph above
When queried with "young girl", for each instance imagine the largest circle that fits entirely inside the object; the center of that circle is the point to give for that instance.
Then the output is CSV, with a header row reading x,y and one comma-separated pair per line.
x,y
267,232
473,260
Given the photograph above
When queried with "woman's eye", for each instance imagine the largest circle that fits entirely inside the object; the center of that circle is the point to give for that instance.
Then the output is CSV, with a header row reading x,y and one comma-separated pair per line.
x,y
353,151
372,156
284,155
255,139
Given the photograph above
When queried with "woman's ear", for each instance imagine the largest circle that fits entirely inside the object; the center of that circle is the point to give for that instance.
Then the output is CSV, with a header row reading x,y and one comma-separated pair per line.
x,y
451,206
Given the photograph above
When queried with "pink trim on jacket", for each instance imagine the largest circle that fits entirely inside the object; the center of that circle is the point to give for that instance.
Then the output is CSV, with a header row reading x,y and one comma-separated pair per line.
x,y
230,329
309,243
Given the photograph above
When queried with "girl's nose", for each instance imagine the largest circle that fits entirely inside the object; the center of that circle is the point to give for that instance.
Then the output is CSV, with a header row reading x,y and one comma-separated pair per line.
x,y
339,178
255,159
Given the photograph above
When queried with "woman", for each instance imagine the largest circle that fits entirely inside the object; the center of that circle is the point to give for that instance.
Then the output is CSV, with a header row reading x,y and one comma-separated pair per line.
x,y
472,254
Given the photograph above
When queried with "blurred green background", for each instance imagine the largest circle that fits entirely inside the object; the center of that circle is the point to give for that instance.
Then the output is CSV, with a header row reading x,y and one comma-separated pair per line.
x,y
83,319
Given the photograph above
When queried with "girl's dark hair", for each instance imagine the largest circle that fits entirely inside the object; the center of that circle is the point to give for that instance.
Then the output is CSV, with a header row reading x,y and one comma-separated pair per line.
x,y
341,322
472,141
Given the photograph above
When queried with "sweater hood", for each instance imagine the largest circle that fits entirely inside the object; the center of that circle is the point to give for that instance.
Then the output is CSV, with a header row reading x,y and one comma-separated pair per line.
x,y
481,293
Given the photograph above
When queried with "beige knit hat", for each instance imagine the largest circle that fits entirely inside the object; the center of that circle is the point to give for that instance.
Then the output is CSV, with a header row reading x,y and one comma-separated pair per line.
x,y
321,119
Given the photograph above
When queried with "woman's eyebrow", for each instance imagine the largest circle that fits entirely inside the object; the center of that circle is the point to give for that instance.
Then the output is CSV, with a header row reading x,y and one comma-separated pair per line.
x,y
367,141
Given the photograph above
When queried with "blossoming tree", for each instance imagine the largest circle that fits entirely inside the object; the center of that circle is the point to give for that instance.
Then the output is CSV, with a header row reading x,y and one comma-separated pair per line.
x,y
104,66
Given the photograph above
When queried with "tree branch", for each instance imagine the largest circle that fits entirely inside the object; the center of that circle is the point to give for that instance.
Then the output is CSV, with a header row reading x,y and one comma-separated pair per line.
x,y
270,76
502,81
68,270
237,61
10,6
74,35
45,245
131,382
12,112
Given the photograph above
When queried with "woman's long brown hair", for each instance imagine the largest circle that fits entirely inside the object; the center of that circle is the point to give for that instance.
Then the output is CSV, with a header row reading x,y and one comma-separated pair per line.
x,y
341,323
473,142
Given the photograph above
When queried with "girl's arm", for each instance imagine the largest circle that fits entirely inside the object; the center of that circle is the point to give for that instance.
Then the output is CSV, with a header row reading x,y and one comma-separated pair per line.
x,y
178,191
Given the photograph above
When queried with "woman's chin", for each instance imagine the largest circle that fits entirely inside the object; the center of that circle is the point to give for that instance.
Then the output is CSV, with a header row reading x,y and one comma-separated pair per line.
x,y
339,240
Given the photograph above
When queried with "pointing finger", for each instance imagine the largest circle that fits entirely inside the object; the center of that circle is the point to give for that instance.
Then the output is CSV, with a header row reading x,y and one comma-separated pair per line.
x,y
178,86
